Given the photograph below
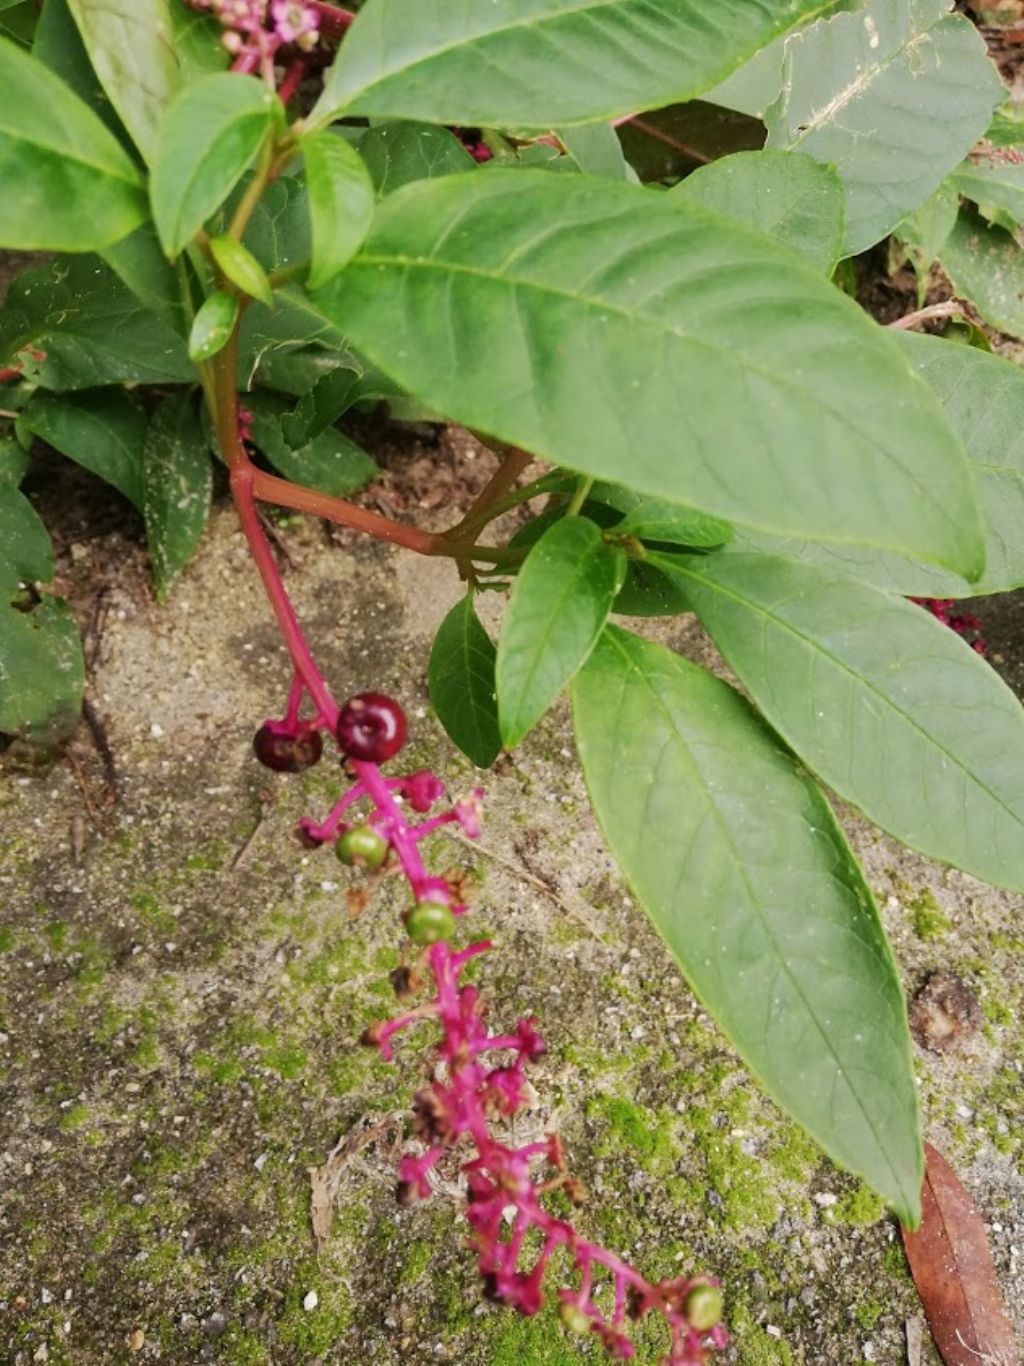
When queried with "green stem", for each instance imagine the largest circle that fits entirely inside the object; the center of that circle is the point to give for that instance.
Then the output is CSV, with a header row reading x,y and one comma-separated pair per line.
x,y
579,497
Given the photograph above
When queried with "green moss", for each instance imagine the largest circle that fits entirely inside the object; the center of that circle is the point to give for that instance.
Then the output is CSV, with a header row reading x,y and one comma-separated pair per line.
x,y
644,1132
996,1012
223,1070
57,935
8,939
414,1263
288,1060
929,920
75,1117
868,1312
753,1345
242,1348
151,913
314,1332
540,1341
860,1207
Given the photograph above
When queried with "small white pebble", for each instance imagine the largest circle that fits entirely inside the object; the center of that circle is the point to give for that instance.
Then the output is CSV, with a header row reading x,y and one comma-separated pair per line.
x,y
772,1331
311,1300
261,1161
156,730
826,1199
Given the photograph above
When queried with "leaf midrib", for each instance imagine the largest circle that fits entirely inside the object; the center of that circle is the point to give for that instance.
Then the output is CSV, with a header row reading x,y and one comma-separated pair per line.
x,y
758,910
659,327
845,668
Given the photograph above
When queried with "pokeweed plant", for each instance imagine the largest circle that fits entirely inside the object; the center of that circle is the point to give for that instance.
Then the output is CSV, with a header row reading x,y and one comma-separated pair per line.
x,y
518,216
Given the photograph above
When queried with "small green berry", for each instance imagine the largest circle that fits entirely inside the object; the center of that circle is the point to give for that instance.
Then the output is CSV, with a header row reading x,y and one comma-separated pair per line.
x,y
575,1319
429,922
361,847
702,1307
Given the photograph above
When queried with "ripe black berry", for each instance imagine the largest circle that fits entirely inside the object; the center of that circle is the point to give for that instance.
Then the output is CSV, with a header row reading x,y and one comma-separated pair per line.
x,y
371,727
284,750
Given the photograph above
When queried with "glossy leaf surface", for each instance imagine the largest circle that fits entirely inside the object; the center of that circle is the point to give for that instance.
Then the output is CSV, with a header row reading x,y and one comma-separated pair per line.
x,y
888,706
131,49
983,398
397,153
42,672
540,308
341,200
739,862
786,195
328,461
541,63
177,482
893,95
561,600
68,184
987,266
462,688
207,138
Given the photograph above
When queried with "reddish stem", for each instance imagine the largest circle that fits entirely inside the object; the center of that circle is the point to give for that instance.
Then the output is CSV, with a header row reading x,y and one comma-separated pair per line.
x,y
270,489
334,21
291,80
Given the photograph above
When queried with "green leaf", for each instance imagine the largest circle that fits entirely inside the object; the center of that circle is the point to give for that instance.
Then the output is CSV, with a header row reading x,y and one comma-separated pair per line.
x,y
58,45
992,181
13,462
102,430
142,266
341,201
885,703
788,196
68,185
561,600
131,49
242,268
320,407
398,153
208,137
738,860
754,389
212,326
42,671
92,330
25,549
596,149
651,519
542,63
177,482
647,592
461,679
983,397
330,462
926,231
893,96
987,266
197,42
19,21
278,232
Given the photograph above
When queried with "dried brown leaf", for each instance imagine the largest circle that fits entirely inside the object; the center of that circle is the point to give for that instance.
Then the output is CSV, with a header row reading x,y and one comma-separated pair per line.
x,y
952,1268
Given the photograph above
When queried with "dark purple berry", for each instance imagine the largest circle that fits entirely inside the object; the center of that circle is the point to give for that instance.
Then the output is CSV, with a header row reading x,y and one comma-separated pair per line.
x,y
279,747
429,922
371,727
362,847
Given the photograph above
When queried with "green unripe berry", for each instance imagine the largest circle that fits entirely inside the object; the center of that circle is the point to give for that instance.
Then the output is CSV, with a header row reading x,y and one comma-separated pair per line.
x,y
574,1318
702,1307
429,922
361,847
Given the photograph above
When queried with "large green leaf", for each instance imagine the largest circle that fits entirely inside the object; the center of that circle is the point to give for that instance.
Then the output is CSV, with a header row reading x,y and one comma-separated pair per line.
x,y
893,96
561,600
738,860
885,703
208,136
42,671
102,430
177,481
68,184
987,266
131,48
462,688
400,152
143,267
58,45
596,150
790,197
90,327
646,340
541,63
983,397
341,200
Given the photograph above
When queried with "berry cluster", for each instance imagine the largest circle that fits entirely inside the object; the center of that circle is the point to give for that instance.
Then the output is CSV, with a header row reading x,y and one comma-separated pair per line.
x,y
481,1079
